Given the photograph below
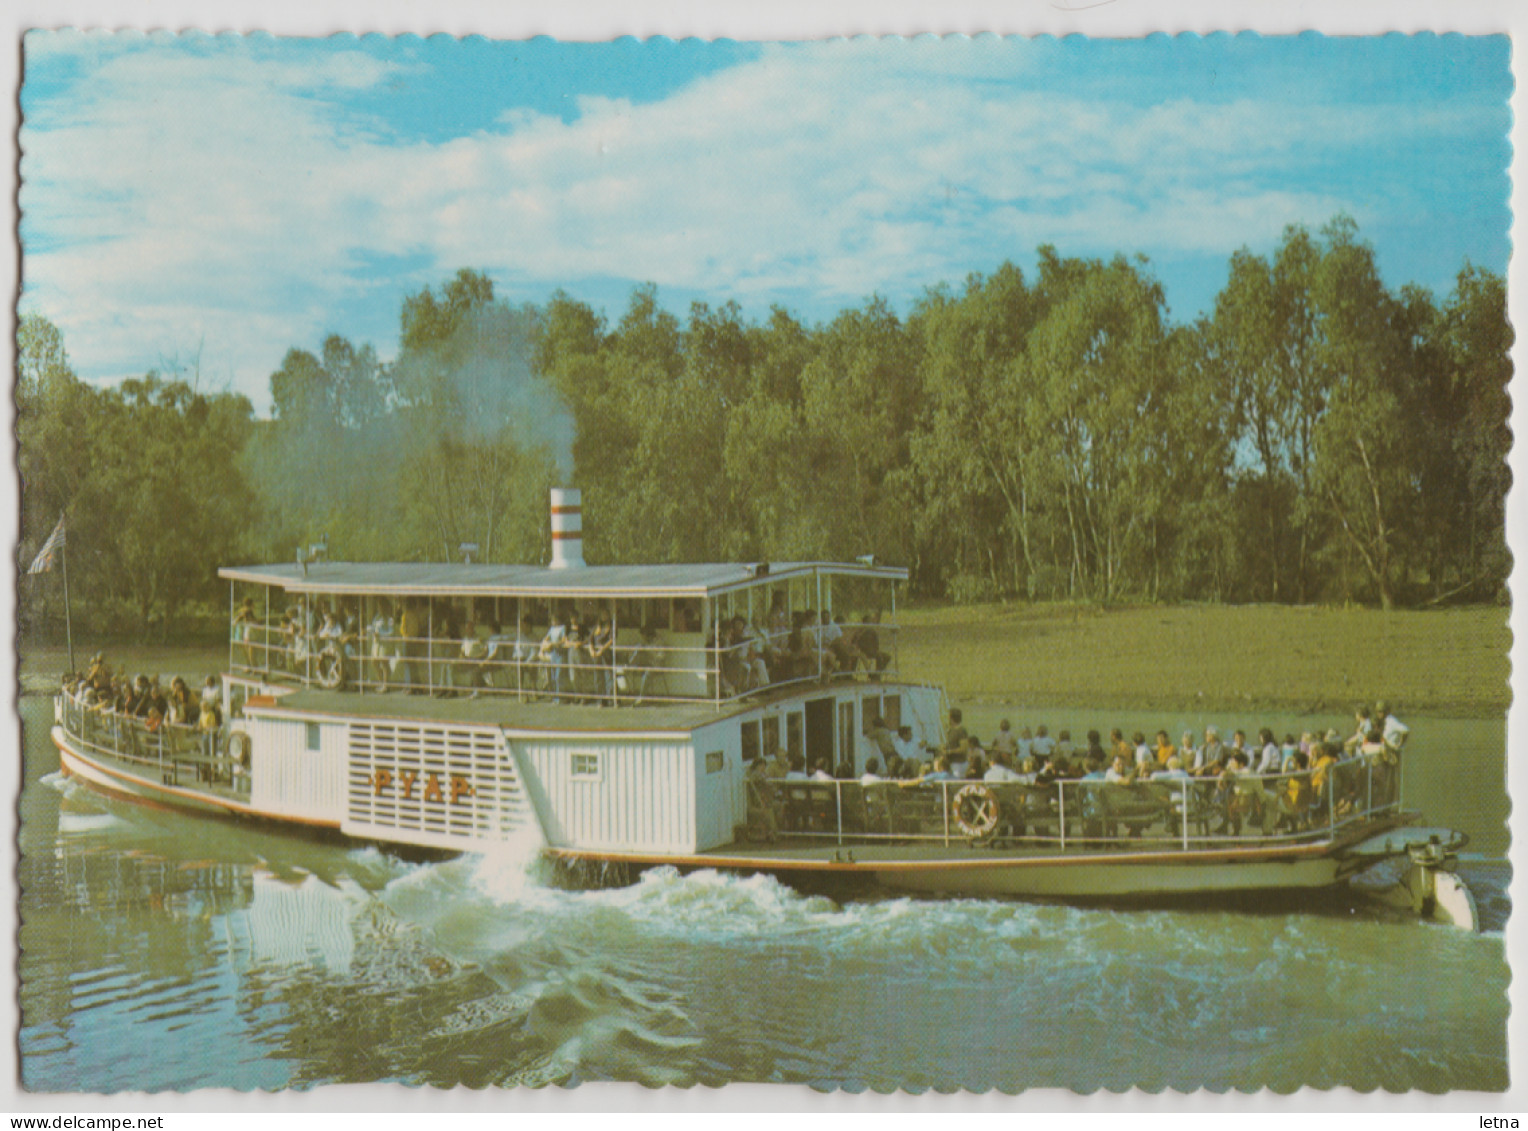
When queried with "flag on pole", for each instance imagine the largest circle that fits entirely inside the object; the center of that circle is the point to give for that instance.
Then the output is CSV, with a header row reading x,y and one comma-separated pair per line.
x,y
44,559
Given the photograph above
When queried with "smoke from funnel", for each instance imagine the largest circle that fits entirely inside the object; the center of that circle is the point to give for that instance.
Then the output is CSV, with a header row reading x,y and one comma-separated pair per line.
x,y
481,385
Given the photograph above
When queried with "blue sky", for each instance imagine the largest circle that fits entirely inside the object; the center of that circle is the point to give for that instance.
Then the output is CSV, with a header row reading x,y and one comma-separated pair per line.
x,y
218,200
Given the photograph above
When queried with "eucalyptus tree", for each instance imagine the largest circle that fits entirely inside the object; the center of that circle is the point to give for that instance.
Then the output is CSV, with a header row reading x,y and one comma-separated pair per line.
x,y
776,487
1365,466
182,506
861,399
1266,334
976,451
1467,415
53,407
1097,362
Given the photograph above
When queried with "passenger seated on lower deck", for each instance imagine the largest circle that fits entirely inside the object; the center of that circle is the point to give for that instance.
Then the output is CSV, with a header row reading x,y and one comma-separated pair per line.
x,y
1240,798
1001,770
1321,768
185,708
1120,771
1294,799
955,735
763,824
1043,745
938,770
1176,785
1363,724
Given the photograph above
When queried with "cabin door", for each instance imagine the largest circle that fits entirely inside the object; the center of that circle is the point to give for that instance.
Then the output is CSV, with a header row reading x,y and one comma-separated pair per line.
x,y
819,734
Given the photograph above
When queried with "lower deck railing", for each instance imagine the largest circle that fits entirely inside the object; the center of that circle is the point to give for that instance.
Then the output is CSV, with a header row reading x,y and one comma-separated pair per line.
x,y
1164,812
166,749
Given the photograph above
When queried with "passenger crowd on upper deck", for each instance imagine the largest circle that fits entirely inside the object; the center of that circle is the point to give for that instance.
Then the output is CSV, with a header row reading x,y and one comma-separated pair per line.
x,y
558,648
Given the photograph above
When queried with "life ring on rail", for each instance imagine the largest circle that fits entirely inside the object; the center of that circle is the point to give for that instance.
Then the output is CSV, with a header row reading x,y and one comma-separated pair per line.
x,y
976,811
331,670
239,747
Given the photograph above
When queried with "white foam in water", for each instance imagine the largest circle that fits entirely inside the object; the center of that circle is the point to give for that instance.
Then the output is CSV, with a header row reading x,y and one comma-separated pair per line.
x,y
507,872
61,782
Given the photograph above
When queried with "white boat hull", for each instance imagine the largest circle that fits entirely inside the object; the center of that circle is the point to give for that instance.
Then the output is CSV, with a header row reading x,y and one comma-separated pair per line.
x,y
1110,875
149,790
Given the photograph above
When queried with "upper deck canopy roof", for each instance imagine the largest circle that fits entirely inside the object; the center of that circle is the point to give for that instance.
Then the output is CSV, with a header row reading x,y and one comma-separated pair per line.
x,y
445,579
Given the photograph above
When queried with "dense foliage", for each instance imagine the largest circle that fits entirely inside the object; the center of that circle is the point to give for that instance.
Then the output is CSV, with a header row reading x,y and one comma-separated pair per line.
x,y
1319,437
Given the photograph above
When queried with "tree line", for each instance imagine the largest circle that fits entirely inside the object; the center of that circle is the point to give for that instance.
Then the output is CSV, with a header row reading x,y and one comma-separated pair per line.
x,y
1316,437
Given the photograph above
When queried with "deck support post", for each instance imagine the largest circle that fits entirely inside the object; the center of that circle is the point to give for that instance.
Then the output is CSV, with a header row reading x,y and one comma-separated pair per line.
x,y
817,636
944,807
1061,810
360,648
1184,816
838,802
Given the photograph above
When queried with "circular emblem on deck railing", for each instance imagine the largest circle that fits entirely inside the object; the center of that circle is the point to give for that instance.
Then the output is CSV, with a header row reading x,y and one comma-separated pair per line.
x,y
239,748
975,810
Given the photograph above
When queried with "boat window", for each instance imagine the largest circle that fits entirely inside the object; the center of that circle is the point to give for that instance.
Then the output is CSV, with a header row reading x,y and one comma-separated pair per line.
x,y
315,737
795,735
586,765
771,735
891,711
750,742
846,732
870,710
715,761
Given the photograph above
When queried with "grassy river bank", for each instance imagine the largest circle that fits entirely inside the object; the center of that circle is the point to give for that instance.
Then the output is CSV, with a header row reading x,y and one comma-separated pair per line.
x,y
1451,662
1297,660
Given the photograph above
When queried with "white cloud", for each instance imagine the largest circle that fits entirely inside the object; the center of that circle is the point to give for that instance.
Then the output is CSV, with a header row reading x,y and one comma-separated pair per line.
x,y
228,197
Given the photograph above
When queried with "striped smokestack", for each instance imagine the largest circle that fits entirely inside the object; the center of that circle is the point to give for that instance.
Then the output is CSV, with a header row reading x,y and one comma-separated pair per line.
x,y
567,528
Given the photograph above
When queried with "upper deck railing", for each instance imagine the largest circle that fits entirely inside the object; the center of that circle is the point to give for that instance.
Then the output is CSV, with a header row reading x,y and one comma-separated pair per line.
x,y
1163,812
629,668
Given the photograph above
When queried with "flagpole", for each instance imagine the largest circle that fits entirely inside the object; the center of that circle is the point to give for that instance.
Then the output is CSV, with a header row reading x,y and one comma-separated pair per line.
x,y
68,627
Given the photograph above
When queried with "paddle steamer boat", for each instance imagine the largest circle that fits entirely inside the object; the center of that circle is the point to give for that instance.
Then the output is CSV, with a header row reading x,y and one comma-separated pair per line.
x,y
420,725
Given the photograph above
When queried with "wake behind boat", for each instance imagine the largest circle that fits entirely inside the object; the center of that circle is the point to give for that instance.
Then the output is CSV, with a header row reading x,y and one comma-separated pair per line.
x,y
730,716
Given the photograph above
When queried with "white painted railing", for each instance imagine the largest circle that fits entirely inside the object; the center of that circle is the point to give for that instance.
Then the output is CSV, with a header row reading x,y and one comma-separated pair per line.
x,y
1183,813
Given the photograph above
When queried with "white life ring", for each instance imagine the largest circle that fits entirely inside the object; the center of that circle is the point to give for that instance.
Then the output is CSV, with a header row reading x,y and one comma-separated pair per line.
x,y
331,670
976,811
239,748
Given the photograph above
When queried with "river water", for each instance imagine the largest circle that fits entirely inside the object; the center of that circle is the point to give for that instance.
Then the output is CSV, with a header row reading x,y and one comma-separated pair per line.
x,y
165,952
